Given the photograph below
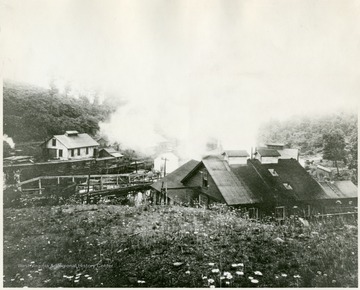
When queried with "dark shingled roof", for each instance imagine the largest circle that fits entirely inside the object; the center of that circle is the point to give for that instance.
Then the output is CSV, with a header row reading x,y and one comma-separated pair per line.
x,y
236,153
112,152
268,152
233,190
304,187
173,180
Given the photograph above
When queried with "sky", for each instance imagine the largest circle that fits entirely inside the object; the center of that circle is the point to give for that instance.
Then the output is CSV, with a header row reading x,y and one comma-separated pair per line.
x,y
190,68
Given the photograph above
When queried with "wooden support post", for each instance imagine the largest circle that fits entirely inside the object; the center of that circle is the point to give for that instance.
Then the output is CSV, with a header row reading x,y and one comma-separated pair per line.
x,y
117,180
73,179
58,180
40,186
101,183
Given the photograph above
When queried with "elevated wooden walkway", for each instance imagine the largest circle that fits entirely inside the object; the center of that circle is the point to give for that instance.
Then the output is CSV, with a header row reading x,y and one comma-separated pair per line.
x,y
96,184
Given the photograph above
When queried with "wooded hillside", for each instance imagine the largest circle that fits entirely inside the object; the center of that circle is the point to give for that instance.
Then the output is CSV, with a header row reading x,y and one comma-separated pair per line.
x,y
32,113
307,133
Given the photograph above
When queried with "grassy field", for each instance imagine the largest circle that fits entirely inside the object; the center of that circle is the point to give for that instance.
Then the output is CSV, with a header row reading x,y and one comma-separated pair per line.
x,y
119,246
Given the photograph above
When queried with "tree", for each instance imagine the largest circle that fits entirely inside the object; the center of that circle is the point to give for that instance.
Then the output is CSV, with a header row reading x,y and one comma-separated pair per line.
x,y
334,146
353,150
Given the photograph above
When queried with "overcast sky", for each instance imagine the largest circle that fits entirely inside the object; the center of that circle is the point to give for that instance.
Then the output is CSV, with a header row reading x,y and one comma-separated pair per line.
x,y
194,68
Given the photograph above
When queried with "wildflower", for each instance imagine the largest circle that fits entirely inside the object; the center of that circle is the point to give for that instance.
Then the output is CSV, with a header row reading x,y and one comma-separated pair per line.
x,y
258,273
89,278
283,275
333,281
212,286
222,278
276,277
21,279
195,233
240,273
76,281
215,270
297,276
240,264
204,277
254,281
211,281
318,272
226,274
211,264
227,282
187,272
251,277
141,281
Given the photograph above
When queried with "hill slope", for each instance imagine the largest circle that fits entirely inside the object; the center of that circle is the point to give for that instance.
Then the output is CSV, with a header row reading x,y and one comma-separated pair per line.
x,y
117,246
307,133
32,113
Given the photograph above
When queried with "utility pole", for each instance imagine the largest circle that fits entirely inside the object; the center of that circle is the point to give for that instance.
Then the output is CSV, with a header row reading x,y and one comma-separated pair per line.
x,y
165,159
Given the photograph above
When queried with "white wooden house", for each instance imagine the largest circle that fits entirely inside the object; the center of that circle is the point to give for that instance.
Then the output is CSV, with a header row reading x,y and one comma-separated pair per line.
x,y
71,145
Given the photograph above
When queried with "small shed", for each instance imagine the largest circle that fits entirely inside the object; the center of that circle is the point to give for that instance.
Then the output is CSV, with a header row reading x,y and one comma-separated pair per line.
x,y
266,156
236,157
110,152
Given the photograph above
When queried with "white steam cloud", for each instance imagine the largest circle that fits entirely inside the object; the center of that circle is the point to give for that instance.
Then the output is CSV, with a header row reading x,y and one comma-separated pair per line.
x,y
191,69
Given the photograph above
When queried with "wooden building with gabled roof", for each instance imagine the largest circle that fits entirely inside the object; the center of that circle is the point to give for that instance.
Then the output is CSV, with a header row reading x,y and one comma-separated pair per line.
x,y
282,187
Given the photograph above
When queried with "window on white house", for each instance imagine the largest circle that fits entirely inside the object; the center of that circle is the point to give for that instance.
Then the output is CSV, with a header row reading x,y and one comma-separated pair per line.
x,y
60,153
273,172
78,152
280,212
53,142
72,152
287,186
87,150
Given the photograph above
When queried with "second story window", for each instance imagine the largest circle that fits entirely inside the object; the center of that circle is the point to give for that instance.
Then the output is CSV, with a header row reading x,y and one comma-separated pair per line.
x,y
54,142
205,179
